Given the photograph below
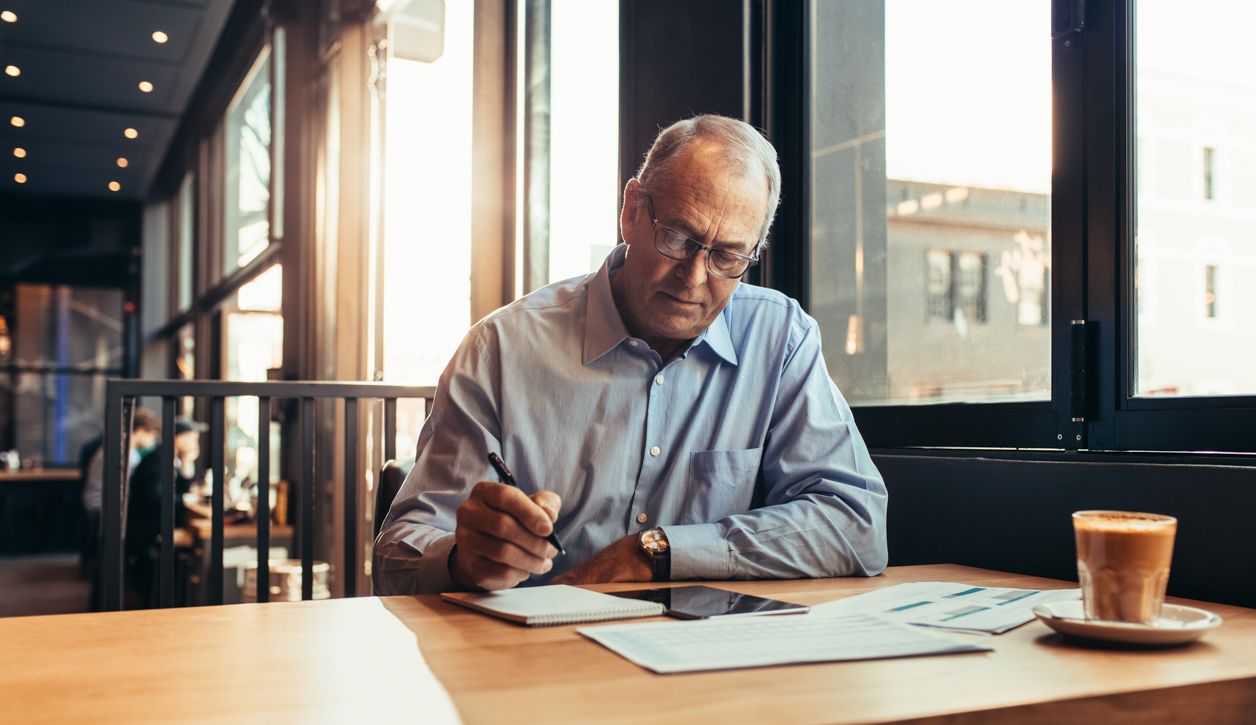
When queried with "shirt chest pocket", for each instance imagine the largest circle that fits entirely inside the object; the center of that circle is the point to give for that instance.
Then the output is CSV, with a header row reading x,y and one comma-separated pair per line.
x,y
721,483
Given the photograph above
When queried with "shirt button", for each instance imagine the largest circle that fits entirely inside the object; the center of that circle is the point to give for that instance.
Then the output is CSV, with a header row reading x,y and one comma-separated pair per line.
x,y
642,518
658,379
632,343
655,451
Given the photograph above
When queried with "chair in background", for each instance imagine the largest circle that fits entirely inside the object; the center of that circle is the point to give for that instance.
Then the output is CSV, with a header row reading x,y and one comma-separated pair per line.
x,y
391,476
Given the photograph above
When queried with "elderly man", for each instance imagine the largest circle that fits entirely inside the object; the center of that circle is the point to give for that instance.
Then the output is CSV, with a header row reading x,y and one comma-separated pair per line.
x,y
664,420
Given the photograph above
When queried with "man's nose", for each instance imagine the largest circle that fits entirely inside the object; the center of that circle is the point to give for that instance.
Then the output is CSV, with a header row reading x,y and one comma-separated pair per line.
x,y
693,271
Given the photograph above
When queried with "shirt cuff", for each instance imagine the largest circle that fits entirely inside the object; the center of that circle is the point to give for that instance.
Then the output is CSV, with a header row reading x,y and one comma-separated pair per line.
x,y
427,573
699,551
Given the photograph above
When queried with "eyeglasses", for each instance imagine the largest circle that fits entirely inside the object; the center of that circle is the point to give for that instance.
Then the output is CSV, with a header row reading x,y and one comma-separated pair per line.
x,y
674,245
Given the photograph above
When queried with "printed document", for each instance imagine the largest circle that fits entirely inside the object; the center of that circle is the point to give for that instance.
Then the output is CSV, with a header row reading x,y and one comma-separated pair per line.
x,y
948,605
724,644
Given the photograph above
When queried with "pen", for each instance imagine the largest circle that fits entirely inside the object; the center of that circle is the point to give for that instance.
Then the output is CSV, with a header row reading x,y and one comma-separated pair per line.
x,y
508,478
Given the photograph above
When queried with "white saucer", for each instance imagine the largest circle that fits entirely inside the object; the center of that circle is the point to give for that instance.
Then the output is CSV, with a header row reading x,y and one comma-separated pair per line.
x,y
1176,625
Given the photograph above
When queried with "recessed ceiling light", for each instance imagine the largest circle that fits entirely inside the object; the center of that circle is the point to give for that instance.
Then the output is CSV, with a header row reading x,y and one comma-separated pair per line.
x,y
122,162
115,186
8,16
146,87
131,133
12,71
17,121
19,152
19,177
160,37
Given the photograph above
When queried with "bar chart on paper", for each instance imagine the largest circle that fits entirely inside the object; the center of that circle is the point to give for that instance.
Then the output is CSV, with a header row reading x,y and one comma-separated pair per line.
x,y
949,605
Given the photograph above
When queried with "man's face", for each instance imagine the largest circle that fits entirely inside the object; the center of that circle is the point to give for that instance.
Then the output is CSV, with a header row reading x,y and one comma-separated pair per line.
x,y
143,439
187,446
668,302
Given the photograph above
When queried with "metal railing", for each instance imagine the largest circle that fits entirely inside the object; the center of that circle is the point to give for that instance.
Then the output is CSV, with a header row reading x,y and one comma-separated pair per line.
x,y
120,397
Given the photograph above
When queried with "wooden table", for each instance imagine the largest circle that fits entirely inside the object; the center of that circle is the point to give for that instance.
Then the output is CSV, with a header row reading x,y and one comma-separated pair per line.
x,y
42,475
370,657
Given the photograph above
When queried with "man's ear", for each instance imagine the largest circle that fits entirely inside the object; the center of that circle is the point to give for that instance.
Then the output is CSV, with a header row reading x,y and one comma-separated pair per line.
x,y
633,199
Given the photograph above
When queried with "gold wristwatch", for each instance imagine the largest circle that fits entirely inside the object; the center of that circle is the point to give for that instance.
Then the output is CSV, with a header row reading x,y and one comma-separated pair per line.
x,y
654,545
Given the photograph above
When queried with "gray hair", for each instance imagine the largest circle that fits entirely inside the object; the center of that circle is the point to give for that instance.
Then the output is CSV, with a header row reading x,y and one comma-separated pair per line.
x,y
744,148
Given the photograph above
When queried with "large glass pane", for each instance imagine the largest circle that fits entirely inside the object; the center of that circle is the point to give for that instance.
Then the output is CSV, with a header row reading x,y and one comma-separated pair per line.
x,y
253,346
930,188
64,342
427,206
584,135
1196,199
247,165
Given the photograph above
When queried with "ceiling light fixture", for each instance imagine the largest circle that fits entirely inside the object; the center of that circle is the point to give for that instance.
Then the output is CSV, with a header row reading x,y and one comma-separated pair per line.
x,y
159,37
12,71
17,121
146,87
122,162
19,152
8,16
115,186
19,177
131,133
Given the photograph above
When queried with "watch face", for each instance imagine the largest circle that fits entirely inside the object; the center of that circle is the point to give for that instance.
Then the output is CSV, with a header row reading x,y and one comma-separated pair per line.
x,y
654,541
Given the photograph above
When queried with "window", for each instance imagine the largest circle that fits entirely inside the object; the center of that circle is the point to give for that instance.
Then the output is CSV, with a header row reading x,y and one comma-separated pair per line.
x,y
956,287
1210,291
938,301
62,343
914,160
960,216
252,347
1192,81
185,208
970,287
247,146
427,203
584,127
1208,171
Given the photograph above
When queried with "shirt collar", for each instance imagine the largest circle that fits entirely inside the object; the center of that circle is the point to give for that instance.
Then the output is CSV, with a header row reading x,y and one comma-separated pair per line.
x,y
604,327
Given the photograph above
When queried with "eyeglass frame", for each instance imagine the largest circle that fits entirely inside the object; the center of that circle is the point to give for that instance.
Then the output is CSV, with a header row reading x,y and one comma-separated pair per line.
x,y
654,227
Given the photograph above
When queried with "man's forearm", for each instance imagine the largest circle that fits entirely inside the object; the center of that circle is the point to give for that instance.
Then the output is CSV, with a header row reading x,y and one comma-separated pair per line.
x,y
818,535
412,559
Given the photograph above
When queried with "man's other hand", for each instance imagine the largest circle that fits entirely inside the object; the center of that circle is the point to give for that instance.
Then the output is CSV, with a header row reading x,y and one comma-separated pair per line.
x,y
500,536
622,561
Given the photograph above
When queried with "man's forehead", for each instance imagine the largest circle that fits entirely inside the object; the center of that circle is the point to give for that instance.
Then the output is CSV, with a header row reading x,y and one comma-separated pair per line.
x,y
692,205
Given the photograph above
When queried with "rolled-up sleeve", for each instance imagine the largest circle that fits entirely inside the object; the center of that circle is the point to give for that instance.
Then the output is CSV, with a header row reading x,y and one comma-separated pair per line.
x,y
824,503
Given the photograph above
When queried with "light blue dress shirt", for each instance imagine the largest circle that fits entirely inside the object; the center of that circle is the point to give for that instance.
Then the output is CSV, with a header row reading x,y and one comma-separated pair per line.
x,y
740,447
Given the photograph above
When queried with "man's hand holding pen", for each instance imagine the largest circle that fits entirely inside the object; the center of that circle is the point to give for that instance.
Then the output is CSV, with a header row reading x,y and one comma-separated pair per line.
x,y
501,536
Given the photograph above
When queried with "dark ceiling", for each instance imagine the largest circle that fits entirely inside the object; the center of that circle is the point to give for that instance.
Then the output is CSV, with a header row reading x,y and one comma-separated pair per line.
x,y
81,63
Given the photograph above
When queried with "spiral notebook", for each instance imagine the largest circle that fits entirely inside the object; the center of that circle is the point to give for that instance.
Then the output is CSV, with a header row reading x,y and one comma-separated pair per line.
x,y
554,604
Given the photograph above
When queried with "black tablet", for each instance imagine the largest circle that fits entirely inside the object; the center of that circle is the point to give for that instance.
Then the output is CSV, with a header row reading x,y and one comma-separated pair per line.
x,y
699,602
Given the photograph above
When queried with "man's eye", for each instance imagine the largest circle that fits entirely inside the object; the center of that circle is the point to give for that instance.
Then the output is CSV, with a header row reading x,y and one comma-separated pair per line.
x,y
680,241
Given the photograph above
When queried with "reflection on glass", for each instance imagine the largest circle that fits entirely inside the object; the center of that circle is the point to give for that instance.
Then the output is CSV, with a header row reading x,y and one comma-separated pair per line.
x,y
1196,200
931,239
427,206
584,134
247,137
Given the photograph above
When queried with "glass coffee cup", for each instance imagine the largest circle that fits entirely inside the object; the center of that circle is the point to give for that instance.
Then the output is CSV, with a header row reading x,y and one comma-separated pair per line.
x,y
1123,560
